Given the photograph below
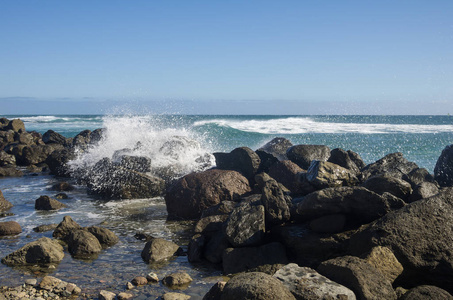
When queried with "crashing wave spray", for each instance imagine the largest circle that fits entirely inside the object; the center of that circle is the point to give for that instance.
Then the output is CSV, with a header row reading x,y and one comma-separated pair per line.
x,y
173,151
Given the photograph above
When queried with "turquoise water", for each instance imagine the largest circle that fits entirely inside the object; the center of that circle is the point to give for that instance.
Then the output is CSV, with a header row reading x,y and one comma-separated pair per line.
x,y
420,138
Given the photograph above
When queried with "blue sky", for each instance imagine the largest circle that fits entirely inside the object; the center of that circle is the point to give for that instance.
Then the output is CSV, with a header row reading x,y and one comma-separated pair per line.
x,y
265,57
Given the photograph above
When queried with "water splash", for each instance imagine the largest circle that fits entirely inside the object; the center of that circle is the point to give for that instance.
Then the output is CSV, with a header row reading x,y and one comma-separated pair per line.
x,y
170,148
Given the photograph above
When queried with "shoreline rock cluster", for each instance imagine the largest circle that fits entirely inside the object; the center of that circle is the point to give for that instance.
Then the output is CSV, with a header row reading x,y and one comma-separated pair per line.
x,y
285,221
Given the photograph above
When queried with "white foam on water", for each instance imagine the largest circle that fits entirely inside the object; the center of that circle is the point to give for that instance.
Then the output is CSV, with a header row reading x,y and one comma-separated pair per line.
x,y
300,125
178,148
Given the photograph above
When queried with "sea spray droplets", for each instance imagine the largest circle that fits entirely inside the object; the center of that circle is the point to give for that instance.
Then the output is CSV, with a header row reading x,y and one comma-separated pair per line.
x,y
167,147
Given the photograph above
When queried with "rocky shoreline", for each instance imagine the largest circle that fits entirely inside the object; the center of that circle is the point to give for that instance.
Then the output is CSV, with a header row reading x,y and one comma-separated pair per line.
x,y
284,222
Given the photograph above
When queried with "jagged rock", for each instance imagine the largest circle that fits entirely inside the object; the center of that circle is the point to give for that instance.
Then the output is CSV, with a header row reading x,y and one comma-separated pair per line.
x,y
177,279
285,172
10,228
306,283
159,249
420,235
83,244
36,154
105,236
7,160
47,203
347,160
244,160
393,165
111,181
323,174
362,278
58,162
210,224
255,285
4,204
395,186
383,259
15,125
303,155
42,251
425,292
329,224
52,137
246,225
277,147
65,227
443,171
360,205
237,260
274,202
418,176
195,192
215,292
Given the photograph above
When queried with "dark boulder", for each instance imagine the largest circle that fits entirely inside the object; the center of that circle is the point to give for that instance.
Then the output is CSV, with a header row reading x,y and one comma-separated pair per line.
x,y
52,137
25,138
244,160
33,155
44,228
82,140
237,260
58,162
256,286
329,224
418,176
302,155
215,292
105,236
424,190
195,248
277,147
358,204
42,251
425,292
83,244
62,187
275,205
4,204
393,165
135,163
285,172
267,161
7,160
223,208
323,174
47,203
215,247
246,225
395,186
443,171
10,228
159,249
346,159
210,224
420,235
195,192
362,278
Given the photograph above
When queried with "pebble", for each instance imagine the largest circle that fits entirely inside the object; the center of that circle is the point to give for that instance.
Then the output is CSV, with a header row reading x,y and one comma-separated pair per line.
x,y
129,286
125,296
32,282
152,277
139,280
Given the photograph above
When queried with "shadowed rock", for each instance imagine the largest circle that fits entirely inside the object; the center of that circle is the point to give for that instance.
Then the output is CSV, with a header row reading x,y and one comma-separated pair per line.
x,y
443,171
42,251
302,155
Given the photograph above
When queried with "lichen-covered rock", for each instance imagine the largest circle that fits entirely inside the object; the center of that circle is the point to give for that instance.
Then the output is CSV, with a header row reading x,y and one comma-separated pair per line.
x,y
10,228
159,249
42,251
246,225
383,259
363,279
195,192
323,174
306,283
256,286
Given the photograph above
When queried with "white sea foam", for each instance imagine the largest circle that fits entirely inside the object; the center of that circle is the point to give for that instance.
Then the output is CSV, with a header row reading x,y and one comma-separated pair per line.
x,y
177,148
295,125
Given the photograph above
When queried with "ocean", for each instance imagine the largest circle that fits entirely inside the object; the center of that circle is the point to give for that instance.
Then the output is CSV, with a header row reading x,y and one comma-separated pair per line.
x,y
420,138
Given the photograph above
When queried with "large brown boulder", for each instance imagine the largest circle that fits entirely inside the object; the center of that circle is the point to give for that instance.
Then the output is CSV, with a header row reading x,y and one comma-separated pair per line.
x,y
195,192
362,278
47,203
256,286
443,171
83,244
302,155
159,249
420,235
65,228
10,228
4,204
42,251
105,236
425,292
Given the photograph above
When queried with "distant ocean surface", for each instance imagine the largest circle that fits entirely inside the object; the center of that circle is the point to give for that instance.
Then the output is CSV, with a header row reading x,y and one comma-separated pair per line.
x,y
420,138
